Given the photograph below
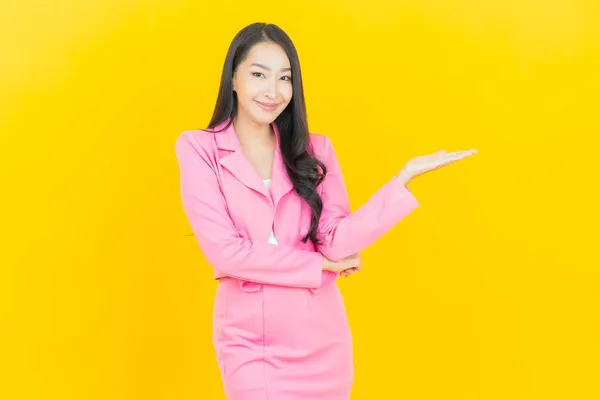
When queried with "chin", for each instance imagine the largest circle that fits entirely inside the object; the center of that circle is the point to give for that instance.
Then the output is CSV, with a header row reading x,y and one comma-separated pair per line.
x,y
264,118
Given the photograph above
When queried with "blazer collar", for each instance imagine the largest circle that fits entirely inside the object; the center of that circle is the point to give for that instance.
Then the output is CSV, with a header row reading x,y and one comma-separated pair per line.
x,y
239,165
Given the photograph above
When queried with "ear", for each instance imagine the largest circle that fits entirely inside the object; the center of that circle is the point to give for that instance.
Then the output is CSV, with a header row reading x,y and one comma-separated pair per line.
x,y
233,81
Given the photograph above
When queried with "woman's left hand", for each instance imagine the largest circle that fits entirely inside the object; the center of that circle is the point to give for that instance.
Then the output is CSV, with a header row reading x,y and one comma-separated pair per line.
x,y
347,272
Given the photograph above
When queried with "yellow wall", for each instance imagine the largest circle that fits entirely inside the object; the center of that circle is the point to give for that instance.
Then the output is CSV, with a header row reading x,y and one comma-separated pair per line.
x,y
489,291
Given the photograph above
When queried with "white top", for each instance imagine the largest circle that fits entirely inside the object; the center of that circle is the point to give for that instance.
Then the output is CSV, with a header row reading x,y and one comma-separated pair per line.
x,y
272,238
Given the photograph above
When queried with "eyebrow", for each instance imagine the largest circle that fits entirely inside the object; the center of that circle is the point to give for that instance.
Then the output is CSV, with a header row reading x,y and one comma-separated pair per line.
x,y
268,69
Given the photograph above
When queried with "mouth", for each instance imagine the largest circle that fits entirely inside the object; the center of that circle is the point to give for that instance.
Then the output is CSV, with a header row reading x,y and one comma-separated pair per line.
x,y
268,106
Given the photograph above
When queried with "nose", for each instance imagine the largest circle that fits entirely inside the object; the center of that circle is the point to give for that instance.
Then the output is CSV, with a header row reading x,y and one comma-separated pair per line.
x,y
271,88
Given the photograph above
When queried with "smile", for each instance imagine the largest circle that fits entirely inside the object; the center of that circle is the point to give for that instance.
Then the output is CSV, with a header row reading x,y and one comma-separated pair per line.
x,y
268,106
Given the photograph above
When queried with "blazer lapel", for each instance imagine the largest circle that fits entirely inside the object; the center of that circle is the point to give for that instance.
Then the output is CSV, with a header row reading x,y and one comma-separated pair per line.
x,y
280,181
237,163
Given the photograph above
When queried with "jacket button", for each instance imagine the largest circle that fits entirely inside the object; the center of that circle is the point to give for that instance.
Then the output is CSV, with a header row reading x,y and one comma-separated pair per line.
x,y
250,287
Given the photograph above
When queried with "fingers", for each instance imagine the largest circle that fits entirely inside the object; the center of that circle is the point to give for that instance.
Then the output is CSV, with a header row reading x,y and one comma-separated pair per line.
x,y
465,153
349,265
347,272
445,158
460,154
451,153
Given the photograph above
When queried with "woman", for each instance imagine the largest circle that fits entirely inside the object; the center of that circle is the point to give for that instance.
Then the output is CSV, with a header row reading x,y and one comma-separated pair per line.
x,y
267,203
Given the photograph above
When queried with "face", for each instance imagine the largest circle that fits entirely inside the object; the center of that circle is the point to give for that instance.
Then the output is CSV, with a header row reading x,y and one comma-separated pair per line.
x,y
263,83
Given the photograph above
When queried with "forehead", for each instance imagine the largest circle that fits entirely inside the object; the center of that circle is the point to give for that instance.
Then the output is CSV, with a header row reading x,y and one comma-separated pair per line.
x,y
268,54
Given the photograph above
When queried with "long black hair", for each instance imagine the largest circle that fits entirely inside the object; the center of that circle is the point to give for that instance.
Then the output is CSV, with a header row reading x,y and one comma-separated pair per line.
x,y
304,170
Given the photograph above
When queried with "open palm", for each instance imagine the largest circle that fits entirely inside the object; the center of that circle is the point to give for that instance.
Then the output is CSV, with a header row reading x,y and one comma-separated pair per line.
x,y
422,164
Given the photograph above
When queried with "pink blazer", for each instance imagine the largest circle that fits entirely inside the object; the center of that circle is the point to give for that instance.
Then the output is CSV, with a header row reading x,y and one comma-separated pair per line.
x,y
232,212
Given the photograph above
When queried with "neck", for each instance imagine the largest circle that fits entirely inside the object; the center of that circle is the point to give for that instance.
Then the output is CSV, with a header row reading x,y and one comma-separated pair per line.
x,y
250,131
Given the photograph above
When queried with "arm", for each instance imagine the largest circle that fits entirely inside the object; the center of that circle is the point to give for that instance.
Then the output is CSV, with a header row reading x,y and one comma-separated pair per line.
x,y
218,238
344,232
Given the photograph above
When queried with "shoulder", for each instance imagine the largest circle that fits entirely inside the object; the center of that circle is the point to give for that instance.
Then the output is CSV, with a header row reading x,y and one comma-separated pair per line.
x,y
194,141
321,145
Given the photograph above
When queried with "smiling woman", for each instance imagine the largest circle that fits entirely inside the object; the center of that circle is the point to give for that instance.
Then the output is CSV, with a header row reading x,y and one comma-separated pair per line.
x,y
269,208
280,330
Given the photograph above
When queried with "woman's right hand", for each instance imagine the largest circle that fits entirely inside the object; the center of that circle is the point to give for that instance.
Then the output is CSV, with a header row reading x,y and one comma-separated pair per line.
x,y
352,261
420,165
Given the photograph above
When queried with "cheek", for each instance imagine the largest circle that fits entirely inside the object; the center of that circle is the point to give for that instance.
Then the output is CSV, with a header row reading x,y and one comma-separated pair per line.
x,y
246,93
286,92
250,89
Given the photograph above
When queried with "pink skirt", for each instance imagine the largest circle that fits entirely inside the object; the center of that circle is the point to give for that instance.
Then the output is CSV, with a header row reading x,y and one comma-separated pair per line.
x,y
282,343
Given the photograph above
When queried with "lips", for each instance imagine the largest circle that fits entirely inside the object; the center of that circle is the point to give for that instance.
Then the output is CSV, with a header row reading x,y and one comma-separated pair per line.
x,y
268,106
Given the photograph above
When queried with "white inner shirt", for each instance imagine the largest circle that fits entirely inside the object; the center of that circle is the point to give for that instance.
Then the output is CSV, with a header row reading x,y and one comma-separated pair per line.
x,y
272,238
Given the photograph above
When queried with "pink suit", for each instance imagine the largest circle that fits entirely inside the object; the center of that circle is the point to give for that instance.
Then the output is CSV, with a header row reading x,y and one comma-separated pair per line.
x,y
280,328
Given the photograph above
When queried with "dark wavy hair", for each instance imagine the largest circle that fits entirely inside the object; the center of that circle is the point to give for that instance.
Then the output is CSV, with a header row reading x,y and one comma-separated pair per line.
x,y
305,171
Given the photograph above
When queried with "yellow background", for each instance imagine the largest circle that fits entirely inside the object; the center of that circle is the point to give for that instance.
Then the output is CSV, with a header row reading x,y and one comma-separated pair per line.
x,y
490,290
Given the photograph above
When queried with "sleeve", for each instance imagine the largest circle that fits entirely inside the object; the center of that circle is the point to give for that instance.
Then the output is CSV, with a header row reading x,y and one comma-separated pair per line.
x,y
220,242
344,232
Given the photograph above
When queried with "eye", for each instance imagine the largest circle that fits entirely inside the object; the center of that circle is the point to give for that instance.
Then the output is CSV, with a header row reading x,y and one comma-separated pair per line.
x,y
286,78
257,74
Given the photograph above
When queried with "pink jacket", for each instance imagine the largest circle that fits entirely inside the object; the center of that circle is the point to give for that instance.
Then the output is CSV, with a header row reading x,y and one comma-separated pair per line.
x,y
232,212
